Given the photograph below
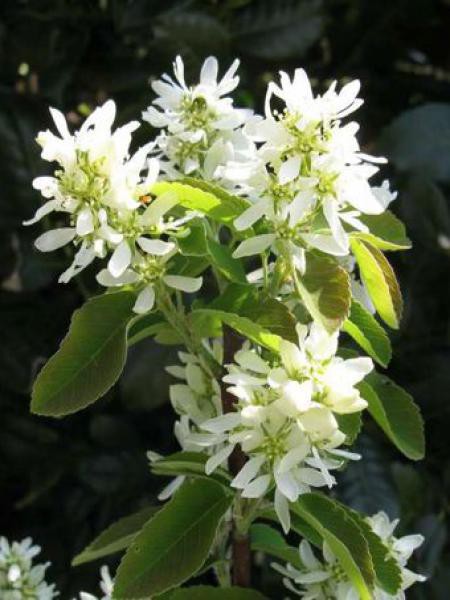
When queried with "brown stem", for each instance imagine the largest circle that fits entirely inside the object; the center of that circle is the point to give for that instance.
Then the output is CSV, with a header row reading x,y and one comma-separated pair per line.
x,y
241,555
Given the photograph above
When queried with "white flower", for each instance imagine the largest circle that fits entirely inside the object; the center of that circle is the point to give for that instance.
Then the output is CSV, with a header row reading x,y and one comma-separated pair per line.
x,y
19,578
318,580
145,271
106,586
285,417
196,398
311,182
201,129
97,185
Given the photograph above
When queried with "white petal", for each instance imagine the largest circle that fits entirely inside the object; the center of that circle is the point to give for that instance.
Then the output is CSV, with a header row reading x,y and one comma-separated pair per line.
x,y
257,488
251,361
311,477
254,245
217,459
157,247
185,284
60,122
307,556
293,457
55,238
222,423
145,300
289,170
248,472
169,490
208,73
85,222
42,211
325,243
106,279
332,216
252,214
282,510
287,485
120,259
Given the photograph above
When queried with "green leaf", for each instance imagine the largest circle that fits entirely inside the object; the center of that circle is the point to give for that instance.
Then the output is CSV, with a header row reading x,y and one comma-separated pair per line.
x,y
90,359
206,198
116,537
204,592
325,291
366,485
298,524
191,464
197,243
350,425
280,30
368,333
242,325
246,301
344,538
417,141
396,413
380,281
174,544
270,541
386,232
387,571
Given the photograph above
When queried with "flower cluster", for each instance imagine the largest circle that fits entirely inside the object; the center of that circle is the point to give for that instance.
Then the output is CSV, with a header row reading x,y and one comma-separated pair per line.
x,y
324,580
201,130
309,179
286,416
19,578
109,207
195,399
106,586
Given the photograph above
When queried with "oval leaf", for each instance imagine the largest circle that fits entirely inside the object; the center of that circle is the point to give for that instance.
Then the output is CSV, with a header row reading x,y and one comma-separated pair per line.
x,y
344,538
270,541
325,291
380,281
90,359
206,198
116,537
386,232
387,570
204,592
368,333
396,413
243,325
174,544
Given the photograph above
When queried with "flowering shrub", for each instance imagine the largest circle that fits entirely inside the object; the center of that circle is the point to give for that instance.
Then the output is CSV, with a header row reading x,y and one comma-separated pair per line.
x,y
279,215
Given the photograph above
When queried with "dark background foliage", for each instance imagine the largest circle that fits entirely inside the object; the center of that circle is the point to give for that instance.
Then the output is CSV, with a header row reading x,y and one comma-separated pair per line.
x,y
63,481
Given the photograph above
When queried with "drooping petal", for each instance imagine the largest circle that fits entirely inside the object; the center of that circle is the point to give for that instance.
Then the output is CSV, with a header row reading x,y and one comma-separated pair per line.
x,y
257,488
54,239
217,459
85,222
156,247
120,259
248,472
42,211
185,284
282,509
145,300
